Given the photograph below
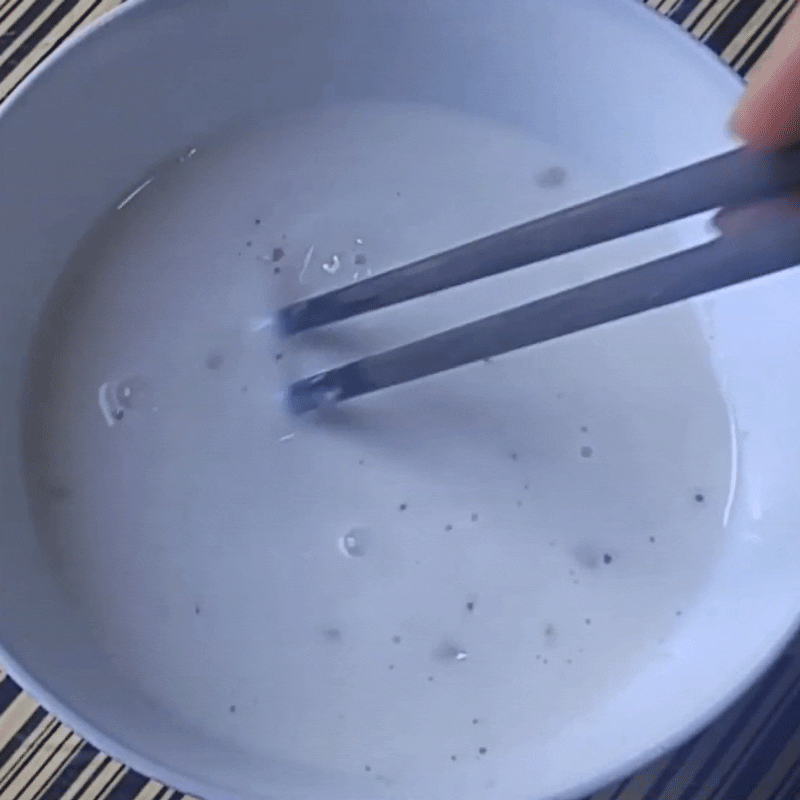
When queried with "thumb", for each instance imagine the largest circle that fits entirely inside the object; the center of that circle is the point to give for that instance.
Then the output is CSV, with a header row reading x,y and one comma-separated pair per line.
x,y
768,115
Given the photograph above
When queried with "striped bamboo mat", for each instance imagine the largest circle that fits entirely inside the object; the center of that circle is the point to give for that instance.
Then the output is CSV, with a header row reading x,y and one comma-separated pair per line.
x,y
751,753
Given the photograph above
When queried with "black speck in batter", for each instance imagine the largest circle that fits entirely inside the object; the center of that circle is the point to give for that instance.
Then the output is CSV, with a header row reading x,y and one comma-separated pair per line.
x,y
55,492
215,361
551,177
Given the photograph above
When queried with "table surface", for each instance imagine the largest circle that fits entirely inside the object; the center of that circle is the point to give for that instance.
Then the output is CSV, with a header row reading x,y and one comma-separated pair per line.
x,y
751,753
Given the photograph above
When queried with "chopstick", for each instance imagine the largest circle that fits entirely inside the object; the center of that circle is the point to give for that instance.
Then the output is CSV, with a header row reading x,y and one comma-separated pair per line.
x,y
728,260
735,178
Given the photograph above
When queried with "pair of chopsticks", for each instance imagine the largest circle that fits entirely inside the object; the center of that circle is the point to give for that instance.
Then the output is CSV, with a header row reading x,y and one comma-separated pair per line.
x,y
735,179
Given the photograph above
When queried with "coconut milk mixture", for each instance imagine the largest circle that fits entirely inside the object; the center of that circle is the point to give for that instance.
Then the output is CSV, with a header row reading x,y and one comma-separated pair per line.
x,y
417,581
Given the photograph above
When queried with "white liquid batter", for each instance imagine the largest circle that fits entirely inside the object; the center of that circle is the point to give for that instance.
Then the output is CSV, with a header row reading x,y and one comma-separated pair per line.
x,y
414,584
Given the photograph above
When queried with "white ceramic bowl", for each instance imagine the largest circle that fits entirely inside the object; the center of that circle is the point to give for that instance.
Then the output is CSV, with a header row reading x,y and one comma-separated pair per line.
x,y
606,82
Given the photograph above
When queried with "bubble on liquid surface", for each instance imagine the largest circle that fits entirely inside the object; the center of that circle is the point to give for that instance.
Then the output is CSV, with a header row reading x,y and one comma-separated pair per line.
x,y
134,392
333,265
256,324
355,543
325,398
115,397
448,651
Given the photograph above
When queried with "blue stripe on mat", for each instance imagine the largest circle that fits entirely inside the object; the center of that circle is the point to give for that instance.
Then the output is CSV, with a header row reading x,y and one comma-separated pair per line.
x,y
9,691
75,766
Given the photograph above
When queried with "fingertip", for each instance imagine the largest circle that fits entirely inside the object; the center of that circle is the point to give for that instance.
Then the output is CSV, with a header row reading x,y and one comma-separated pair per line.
x,y
768,114
738,125
764,120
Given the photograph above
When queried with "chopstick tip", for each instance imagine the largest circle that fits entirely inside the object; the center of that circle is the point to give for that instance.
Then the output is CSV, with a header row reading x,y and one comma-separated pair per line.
x,y
283,322
311,394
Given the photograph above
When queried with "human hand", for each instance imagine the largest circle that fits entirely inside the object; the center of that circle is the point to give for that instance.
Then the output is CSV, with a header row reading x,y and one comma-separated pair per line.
x,y
768,115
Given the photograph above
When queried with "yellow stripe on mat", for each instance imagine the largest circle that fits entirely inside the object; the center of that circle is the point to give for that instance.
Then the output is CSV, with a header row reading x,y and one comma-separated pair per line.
x,y
700,11
44,767
713,18
13,25
86,779
14,718
82,13
149,792
40,757
667,6
29,749
749,30
770,29
104,782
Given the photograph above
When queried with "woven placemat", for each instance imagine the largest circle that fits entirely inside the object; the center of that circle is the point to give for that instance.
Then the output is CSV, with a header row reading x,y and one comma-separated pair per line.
x,y
751,753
